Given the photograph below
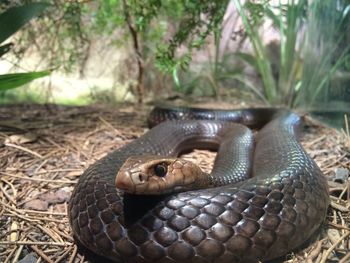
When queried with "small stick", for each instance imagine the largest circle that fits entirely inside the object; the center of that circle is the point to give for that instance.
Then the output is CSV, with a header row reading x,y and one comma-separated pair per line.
x,y
10,198
315,252
23,149
338,226
337,160
74,254
18,253
31,243
51,234
63,255
108,125
36,219
10,255
43,212
338,206
308,144
345,258
40,179
51,171
42,254
330,249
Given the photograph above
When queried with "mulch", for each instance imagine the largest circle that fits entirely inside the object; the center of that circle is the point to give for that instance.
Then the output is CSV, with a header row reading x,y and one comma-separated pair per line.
x,y
45,148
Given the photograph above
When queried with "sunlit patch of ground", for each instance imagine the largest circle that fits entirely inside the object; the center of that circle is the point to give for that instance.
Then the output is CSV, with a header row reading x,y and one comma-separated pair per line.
x,y
69,90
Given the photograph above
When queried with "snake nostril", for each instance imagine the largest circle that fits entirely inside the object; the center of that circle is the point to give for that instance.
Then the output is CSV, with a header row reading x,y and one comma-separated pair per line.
x,y
142,177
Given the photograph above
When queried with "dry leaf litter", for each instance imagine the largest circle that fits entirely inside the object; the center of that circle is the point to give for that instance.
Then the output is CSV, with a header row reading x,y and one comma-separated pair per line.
x,y
45,148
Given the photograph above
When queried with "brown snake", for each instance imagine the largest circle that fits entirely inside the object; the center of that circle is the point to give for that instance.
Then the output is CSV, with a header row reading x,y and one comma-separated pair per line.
x,y
261,218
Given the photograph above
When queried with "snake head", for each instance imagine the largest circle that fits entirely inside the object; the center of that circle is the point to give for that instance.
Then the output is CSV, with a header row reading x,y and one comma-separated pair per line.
x,y
158,175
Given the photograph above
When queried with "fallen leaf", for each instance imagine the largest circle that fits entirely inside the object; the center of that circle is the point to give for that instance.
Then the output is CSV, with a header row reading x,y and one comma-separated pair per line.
x,y
59,196
37,204
21,138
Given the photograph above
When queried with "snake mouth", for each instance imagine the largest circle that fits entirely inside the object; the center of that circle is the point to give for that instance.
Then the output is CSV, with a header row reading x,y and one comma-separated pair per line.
x,y
125,183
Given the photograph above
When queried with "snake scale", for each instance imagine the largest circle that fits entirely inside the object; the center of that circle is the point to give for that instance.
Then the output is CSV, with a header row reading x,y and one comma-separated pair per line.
x,y
261,218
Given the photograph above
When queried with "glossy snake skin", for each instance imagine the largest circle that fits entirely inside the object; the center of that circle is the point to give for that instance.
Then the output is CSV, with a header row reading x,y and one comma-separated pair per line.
x,y
261,218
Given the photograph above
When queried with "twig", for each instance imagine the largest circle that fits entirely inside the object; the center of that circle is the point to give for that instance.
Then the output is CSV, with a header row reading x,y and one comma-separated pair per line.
x,y
335,161
23,149
308,144
345,258
339,226
40,179
108,125
33,219
10,255
34,243
17,254
315,252
331,248
63,255
54,236
43,212
41,254
137,50
74,254
338,206
10,198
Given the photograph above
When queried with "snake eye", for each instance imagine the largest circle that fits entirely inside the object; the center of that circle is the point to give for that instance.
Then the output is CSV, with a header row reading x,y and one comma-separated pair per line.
x,y
160,170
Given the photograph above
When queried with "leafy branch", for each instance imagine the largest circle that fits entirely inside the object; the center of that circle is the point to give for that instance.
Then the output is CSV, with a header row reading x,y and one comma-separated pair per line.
x,y
11,21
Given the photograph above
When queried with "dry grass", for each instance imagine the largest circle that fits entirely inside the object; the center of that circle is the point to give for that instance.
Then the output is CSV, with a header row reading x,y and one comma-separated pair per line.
x,y
44,149
346,133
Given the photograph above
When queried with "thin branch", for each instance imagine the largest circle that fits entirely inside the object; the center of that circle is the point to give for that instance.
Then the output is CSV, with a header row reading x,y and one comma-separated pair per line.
x,y
135,40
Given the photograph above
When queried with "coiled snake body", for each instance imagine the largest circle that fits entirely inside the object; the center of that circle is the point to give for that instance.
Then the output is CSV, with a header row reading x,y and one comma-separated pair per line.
x,y
261,218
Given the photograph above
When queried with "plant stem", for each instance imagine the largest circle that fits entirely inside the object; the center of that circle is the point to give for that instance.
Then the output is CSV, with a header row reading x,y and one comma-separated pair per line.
x,y
217,36
261,57
140,64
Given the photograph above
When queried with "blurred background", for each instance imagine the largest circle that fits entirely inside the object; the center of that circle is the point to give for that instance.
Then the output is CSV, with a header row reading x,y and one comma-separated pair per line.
x,y
276,53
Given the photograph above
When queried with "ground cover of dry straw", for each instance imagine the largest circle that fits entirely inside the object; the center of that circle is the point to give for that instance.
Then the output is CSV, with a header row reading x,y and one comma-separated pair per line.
x,y
44,149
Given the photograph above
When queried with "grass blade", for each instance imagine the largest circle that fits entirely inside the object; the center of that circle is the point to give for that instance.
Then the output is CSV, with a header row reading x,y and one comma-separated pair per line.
x,y
16,17
11,81
5,48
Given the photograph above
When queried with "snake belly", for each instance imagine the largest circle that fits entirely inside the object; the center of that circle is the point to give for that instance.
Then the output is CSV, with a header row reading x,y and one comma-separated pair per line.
x,y
261,218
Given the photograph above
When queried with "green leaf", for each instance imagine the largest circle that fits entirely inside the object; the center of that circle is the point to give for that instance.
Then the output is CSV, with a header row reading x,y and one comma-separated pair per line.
x,y
176,79
11,81
248,58
5,48
16,17
277,20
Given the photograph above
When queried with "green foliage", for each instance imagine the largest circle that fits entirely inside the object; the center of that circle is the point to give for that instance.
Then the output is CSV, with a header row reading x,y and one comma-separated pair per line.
x,y
5,48
194,19
212,79
10,22
308,67
327,49
306,63
11,81
16,17
201,18
108,16
288,22
58,35
164,27
252,17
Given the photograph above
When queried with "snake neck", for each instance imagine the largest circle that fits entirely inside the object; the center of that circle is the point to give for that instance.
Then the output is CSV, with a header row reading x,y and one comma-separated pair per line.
x,y
207,180
217,181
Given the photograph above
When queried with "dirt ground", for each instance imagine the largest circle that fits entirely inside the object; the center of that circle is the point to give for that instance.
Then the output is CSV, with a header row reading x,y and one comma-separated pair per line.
x,y
45,148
